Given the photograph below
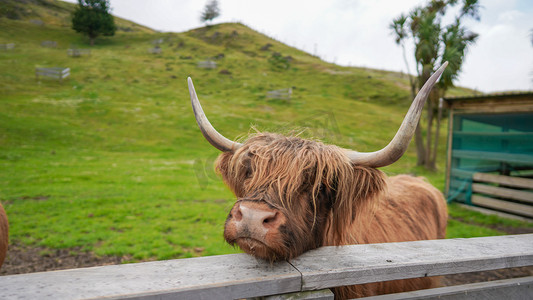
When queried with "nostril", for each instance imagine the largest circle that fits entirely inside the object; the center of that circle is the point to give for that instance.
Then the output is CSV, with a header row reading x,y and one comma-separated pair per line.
x,y
270,219
255,216
237,214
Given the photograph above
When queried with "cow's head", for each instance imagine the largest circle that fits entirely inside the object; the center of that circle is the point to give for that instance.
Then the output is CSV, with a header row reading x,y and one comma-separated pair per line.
x,y
294,195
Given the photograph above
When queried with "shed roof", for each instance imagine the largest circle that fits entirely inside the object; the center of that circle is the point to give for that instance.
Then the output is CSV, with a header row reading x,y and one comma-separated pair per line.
x,y
494,96
492,103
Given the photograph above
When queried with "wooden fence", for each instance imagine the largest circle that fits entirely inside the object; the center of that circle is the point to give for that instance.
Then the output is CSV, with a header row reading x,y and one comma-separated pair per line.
x,y
155,50
239,276
7,46
49,44
283,94
54,73
504,193
208,64
74,52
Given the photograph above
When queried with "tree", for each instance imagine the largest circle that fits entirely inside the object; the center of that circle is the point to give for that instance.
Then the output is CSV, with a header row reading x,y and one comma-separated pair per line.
x,y
434,43
93,19
211,11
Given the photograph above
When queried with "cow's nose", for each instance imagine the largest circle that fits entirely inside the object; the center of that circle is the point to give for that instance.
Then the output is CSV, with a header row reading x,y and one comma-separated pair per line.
x,y
257,217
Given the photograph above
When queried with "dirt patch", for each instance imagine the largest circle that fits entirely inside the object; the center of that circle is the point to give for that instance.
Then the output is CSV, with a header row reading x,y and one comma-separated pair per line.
x,y
24,259
474,277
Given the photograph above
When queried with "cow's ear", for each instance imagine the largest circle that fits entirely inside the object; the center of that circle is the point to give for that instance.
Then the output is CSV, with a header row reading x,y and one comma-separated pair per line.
x,y
356,195
222,163
224,167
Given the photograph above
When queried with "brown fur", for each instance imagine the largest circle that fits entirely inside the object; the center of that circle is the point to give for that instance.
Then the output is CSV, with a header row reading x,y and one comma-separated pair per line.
x,y
4,235
323,199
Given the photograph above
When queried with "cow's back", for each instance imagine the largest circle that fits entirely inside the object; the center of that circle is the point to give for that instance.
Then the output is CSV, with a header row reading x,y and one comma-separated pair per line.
x,y
410,210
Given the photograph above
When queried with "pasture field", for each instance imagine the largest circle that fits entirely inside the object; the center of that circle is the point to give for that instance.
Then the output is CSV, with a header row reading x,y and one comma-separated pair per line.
x,y
110,161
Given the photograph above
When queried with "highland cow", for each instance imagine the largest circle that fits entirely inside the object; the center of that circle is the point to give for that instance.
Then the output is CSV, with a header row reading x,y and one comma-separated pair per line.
x,y
294,195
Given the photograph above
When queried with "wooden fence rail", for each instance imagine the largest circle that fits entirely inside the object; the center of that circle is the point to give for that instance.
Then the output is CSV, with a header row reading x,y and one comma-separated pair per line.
x,y
242,276
208,64
8,46
49,44
74,52
503,193
283,94
55,73
155,50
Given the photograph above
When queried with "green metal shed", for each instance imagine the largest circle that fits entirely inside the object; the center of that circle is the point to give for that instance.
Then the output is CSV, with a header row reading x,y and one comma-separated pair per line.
x,y
490,152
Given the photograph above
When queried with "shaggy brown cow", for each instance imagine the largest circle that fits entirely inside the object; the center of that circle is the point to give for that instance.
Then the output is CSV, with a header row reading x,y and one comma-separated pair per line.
x,y
295,195
4,236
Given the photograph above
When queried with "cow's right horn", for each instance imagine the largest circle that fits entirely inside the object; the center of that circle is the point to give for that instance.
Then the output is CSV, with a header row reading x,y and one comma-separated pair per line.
x,y
397,147
211,135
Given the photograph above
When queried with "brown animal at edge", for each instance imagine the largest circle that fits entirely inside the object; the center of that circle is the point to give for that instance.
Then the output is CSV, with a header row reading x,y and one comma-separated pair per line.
x,y
4,234
294,195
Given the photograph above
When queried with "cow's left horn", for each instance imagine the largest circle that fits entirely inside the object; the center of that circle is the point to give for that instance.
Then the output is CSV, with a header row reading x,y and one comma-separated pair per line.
x,y
397,147
211,135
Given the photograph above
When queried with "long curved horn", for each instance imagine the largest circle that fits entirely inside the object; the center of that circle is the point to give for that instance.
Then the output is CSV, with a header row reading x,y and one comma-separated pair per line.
x,y
397,147
211,135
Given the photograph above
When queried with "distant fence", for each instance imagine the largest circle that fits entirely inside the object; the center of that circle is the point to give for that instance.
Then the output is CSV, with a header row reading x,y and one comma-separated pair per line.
x,y
78,52
284,94
49,44
239,276
505,193
208,64
155,50
54,73
7,46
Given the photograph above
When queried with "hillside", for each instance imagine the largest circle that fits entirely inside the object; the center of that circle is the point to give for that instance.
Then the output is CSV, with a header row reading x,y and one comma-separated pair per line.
x,y
111,161
53,13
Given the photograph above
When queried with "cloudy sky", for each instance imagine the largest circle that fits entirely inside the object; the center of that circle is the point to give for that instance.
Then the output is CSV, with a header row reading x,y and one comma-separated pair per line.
x,y
356,32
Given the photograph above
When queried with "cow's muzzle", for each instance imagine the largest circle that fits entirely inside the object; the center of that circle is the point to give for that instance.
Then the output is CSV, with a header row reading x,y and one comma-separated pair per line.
x,y
255,227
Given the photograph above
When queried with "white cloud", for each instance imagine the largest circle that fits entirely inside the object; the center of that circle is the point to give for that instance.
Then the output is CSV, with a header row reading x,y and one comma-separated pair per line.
x,y
510,16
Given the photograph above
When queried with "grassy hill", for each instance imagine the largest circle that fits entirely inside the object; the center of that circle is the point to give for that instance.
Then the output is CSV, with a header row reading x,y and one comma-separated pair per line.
x,y
54,13
111,160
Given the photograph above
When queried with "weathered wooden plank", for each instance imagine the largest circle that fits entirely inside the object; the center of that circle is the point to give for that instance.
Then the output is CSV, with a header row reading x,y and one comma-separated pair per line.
x,y
463,173
509,289
498,135
501,214
326,294
208,64
216,277
283,94
51,44
494,156
328,267
242,276
518,182
7,46
515,208
502,192
521,103
449,148
155,50
78,52
57,73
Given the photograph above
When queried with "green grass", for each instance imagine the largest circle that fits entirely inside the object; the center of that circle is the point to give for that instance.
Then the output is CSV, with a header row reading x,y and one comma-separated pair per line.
x,y
457,212
111,160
